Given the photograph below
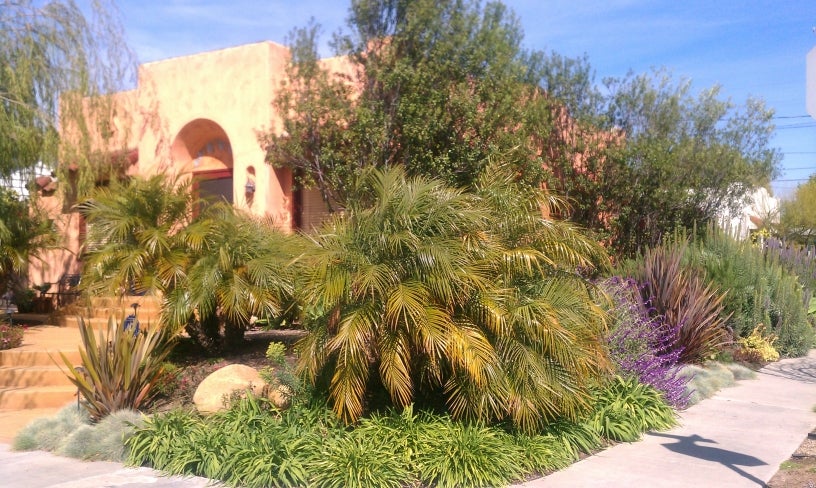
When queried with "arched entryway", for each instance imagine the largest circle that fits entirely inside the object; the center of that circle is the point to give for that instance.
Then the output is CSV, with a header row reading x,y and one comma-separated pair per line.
x,y
202,148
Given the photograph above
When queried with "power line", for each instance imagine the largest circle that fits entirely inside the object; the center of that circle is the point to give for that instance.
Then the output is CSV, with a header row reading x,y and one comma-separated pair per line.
x,y
803,125
791,117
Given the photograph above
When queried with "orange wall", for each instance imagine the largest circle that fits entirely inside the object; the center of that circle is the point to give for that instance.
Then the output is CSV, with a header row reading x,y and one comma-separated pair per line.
x,y
178,105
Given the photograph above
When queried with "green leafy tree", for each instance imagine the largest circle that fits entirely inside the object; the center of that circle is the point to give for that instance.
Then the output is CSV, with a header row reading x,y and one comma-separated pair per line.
x,y
437,87
52,56
798,214
24,234
426,294
685,157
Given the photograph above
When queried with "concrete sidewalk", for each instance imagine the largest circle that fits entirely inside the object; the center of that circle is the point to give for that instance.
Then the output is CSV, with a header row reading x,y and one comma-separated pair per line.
x,y
738,438
38,469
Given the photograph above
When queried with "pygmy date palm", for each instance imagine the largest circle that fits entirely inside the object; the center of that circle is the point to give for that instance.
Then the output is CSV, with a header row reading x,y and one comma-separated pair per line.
x,y
133,235
433,292
240,268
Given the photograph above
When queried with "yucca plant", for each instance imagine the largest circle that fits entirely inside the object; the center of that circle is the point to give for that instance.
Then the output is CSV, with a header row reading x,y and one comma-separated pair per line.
x,y
435,293
686,302
120,367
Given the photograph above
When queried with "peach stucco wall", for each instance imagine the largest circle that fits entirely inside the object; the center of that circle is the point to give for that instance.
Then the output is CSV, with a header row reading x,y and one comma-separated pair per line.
x,y
178,106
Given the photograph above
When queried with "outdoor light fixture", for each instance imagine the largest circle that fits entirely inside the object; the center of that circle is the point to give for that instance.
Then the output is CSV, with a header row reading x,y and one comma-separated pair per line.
x,y
249,187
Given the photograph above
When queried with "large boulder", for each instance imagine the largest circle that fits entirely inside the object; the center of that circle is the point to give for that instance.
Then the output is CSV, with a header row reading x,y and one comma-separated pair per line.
x,y
214,392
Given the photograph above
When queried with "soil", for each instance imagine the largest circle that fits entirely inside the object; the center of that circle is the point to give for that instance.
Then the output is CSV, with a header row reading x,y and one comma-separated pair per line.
x,y
192,366
800,470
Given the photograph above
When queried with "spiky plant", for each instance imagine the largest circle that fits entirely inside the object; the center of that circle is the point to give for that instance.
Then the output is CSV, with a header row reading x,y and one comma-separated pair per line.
x,y
685,301
421,291
120,367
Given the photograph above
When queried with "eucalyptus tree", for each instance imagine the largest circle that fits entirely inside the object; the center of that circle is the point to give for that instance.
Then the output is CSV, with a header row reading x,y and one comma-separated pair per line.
x,y
469,301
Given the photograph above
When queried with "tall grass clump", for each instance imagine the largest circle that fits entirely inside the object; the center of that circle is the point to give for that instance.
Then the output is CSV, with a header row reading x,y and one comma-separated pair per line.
x,y
625,408
641,345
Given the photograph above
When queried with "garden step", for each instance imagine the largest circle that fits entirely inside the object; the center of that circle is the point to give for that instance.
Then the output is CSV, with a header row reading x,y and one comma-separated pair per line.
x,y
19,398
144,314
25,358
25,376
97,323
146,302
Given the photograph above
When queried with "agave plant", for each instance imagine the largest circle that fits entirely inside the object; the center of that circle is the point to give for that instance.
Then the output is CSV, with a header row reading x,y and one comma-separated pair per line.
x,y
422,292
120,367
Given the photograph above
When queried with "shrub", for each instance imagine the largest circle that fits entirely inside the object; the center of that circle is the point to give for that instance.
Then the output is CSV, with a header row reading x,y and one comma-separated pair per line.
x,y
11,336
764,286
705,381
104,441
409,298
758,346
120,369
680,295
643,346
468,456
48,433
355,461
625,409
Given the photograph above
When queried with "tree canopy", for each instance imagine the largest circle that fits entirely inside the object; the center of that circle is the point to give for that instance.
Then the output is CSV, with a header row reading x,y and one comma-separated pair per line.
x,y
443,87
52,55
435,86
798,215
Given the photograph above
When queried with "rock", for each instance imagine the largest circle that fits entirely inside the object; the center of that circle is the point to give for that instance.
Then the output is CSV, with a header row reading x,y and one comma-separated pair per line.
x,y
278,395
213,394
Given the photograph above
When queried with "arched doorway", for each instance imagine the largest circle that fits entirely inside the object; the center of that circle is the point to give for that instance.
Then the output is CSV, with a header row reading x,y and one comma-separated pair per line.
x,y
202,148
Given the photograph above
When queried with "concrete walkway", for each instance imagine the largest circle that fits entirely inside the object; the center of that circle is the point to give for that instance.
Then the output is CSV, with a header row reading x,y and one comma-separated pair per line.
x,y
738,438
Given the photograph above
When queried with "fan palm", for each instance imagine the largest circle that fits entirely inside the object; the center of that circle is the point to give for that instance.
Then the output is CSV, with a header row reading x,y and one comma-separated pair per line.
x,y
133,235
239,268
433,291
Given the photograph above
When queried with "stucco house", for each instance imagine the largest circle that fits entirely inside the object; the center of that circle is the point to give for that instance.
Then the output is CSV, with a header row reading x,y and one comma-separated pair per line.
x,y
198,116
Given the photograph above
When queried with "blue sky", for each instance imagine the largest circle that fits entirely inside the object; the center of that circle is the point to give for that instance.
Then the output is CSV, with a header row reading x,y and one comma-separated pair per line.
x,y
750,47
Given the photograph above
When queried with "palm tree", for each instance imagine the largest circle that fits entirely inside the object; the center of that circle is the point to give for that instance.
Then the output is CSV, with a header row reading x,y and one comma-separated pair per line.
x,y
133,240
213,271
239,268
434,292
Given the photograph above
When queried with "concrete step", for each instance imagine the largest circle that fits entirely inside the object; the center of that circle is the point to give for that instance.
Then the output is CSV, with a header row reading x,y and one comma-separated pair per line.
x,y
13,421
98,323
25,376
119,313
145,302
19,398
29,358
